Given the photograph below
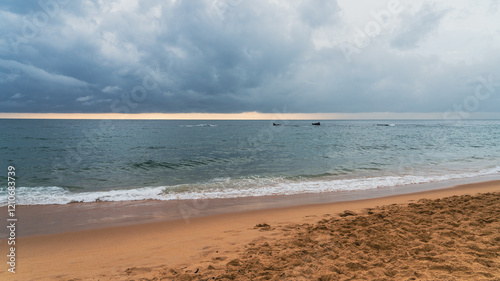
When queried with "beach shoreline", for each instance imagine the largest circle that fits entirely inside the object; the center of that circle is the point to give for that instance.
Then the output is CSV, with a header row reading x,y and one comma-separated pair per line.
x,y
62,218
106,253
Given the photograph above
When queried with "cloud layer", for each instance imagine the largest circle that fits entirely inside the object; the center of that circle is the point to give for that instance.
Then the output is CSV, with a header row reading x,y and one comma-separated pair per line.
x,y
240,56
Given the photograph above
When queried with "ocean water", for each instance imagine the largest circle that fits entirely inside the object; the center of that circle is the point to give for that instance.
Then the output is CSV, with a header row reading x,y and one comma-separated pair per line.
x,y
63,161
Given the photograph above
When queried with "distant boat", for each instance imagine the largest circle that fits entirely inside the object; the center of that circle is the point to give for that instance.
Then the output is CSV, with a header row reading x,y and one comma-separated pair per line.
x,y
274,124
384,124
316,124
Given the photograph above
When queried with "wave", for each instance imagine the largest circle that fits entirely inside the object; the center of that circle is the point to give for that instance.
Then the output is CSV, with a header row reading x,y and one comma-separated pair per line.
x,y
199,125
227,188
181,164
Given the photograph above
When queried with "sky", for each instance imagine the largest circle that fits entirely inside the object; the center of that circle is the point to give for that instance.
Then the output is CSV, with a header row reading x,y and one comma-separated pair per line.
x,y
343,58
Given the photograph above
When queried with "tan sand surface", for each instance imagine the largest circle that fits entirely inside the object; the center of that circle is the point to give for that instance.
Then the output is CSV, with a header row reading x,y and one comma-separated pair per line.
x,y
446,234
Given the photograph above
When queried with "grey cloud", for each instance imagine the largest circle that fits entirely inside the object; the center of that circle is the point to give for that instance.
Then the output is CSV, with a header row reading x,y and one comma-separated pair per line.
x,y
415,28
111,89
40,74
84,99
216,56
319,12
17,96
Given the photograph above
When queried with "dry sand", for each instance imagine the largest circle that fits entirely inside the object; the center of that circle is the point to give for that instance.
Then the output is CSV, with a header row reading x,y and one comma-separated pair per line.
x,y
401,237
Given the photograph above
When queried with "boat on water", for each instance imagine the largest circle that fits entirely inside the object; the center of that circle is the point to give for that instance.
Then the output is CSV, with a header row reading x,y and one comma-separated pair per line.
x,y
275,124
316,124
385,124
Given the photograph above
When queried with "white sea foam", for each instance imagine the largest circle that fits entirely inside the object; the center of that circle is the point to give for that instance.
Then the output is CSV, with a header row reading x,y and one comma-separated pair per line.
x,y
227,188
199,125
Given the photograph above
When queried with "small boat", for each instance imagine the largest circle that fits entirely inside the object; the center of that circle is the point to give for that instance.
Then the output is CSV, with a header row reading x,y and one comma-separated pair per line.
x,y
316,124
274,124
384,124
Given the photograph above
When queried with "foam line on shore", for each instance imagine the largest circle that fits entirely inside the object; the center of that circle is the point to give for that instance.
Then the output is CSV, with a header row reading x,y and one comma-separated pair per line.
x,y
230,188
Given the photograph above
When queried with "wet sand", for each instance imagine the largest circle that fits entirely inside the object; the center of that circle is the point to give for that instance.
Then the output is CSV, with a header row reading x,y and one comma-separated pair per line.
x,y
420,237
53,219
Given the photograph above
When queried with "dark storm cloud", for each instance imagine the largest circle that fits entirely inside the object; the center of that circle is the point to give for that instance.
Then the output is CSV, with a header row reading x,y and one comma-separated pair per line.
x,y
218,56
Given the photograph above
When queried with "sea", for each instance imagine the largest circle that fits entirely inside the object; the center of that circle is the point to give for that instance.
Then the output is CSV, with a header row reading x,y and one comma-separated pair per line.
x,y
70,161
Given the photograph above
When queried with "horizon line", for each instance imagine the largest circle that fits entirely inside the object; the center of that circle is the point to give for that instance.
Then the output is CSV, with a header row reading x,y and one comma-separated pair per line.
x,y
256,116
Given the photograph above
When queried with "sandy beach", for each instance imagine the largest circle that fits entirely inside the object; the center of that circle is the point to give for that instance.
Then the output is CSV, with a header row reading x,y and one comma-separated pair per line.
x,y
445,234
